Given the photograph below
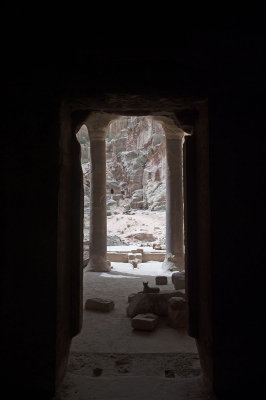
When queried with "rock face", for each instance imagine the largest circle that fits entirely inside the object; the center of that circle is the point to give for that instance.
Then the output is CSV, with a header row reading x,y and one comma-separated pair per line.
x,y
143,236
137,157
135,168
114,241
136,162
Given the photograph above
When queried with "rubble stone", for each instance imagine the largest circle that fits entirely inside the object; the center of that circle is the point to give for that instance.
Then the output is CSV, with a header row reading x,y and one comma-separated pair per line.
x,y
161,280
145,322
97,304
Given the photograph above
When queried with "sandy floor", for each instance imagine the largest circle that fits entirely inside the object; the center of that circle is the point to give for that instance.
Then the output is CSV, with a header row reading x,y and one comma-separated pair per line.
x,y
110,360
112,332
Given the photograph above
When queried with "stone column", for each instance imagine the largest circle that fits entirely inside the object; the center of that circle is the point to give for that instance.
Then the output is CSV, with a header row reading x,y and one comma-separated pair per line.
x,y
174,203
98,222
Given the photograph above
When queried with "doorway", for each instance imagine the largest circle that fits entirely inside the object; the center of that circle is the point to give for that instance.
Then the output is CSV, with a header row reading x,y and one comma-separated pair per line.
x,y
110,351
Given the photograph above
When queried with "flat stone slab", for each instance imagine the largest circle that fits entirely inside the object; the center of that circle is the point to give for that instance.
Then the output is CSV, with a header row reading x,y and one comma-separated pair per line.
x,y
145,322
97,304
156,303
161,280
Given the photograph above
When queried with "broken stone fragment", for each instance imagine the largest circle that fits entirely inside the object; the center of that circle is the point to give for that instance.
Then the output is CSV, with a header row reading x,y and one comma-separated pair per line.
x,y
177,312
97,304
178,279
161,280
134,263
145,322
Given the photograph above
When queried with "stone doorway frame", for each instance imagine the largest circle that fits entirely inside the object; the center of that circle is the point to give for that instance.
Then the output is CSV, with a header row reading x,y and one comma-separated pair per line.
x,y
186,114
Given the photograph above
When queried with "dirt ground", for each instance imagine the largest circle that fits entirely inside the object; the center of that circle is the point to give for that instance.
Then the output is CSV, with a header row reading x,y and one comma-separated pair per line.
x,y
108,359
138,221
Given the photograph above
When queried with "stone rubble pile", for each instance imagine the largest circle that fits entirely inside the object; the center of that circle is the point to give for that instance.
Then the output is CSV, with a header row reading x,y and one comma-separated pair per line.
x,y
145,308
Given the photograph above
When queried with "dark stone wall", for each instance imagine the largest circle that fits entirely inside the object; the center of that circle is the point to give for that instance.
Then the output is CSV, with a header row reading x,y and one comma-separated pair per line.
x,y
31,129
237,168
29,241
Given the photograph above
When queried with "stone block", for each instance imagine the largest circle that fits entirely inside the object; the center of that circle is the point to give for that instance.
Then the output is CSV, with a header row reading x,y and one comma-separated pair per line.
x,y
97,304
145,322
135,256
178,279
153,257
114,256
177,312
161,280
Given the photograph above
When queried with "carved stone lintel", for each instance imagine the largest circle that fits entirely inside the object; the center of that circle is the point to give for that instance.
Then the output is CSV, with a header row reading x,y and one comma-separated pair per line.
x,y
97,124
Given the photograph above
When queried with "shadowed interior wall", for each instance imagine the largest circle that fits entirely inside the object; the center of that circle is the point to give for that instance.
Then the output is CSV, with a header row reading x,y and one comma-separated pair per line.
x,y
237,173
30,218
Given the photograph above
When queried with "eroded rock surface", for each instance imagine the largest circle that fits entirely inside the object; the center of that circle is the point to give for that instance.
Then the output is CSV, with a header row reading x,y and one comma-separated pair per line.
x,y
136,164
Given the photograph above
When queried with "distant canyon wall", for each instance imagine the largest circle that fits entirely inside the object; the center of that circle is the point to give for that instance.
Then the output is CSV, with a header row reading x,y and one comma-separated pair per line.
x,y
136,162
